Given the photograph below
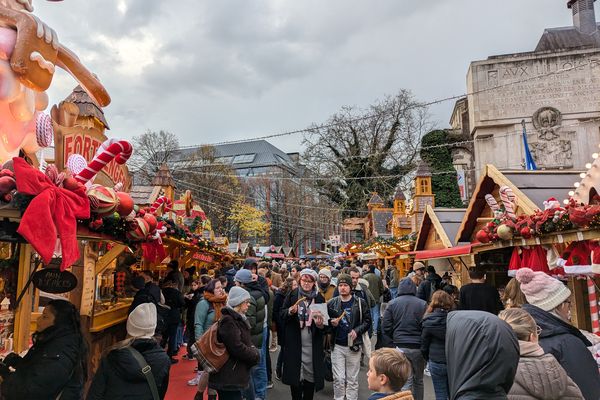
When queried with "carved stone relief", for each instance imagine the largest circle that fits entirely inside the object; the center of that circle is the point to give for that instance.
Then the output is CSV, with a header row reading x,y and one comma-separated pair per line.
x,y
552,149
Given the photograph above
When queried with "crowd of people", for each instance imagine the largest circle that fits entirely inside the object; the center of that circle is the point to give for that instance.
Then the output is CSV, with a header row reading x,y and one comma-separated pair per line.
x,y
326,320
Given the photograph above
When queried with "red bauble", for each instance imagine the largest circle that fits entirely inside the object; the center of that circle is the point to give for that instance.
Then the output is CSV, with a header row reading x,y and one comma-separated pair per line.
x,y
125,206
526,232
139,229
490,225
71,184
151,220
142,212
103,200
482,236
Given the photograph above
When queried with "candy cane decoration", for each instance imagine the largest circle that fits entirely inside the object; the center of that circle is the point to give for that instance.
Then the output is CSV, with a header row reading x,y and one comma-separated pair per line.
x,y
76,163
44,131
120,151
492,202
593,305
163,201
505,196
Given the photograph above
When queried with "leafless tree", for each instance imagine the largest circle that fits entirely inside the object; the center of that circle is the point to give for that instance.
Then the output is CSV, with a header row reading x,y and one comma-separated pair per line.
x,y
151,150
356,145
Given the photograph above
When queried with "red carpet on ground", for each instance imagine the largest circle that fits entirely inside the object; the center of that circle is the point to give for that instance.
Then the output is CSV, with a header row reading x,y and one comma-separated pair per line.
x,y
180,374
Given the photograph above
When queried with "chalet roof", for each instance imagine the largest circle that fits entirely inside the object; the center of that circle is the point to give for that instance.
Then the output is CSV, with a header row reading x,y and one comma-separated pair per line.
x,y
144,195
399,195
380,221
445,221
423,169
87,106
163,177
375,200
530,187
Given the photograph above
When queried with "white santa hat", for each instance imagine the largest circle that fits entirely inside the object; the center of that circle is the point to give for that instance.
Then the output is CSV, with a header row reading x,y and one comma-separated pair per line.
x,y
551,203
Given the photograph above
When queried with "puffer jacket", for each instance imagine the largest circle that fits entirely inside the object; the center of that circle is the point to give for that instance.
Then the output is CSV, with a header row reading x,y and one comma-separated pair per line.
x,y
334,309
540,376
402,318
234,333
569,347
256,312
52,365
119,376
433,339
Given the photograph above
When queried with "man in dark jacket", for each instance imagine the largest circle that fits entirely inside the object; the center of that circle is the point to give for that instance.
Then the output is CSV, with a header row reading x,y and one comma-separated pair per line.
x,y
429,285
482,353
120,376
174,299
376,288
257,317
351,319
402,326
478,295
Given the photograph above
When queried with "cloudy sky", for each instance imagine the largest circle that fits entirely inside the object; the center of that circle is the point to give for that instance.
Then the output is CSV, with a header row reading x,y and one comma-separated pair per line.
x,y
216,70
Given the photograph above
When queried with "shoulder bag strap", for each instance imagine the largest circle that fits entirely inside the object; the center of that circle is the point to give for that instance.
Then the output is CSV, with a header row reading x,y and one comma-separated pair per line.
x,y
146,370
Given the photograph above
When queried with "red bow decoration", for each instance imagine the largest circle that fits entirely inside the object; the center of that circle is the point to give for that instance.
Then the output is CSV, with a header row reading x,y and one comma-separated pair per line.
x,y
53,210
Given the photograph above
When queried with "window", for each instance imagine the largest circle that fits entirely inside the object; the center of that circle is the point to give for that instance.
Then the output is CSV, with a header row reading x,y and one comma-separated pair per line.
x,y
424,186
244,158
224,160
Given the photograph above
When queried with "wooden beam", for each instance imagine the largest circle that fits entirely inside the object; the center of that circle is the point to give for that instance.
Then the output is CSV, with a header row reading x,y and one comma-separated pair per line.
x,y
23,311
105,260
185,259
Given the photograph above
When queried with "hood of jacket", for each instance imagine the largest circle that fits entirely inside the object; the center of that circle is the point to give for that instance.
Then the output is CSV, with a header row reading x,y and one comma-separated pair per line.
x,y
407,287
259,285
552,325
126,366
482,353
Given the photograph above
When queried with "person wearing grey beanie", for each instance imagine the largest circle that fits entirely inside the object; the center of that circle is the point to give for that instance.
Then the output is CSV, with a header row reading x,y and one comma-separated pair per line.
x,y
237,296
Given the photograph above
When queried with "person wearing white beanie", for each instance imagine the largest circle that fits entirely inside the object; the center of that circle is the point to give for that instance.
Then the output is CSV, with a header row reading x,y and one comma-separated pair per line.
x,y
550,306
119,376
326,287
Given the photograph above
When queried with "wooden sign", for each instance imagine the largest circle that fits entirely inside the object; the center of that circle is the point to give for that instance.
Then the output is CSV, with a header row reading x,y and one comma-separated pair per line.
x,y
203,257
52,280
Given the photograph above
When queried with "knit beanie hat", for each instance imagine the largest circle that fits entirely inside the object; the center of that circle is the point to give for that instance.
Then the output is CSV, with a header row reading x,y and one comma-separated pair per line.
x,y
237,296
243,276
141,323
344,278
325,272
309,272
542,290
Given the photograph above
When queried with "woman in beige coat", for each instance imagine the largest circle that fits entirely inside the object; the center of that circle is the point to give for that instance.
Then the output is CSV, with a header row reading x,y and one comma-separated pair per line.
x,y
539,376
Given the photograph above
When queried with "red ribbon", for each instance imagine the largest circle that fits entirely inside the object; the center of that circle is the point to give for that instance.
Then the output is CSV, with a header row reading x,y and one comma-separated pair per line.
x,y
53,211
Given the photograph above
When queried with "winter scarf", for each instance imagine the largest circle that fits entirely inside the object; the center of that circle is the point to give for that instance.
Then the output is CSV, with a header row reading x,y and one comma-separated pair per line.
x,y
217,302
303,307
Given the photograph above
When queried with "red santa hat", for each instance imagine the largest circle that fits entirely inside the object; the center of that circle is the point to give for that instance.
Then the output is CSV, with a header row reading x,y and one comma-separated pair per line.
x,y
577,258
515,262
595,246
551,203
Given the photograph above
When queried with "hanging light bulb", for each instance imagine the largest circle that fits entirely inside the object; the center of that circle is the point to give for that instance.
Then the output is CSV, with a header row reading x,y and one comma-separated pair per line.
x,y
582,175
565,201
595,156
588,165
576,184
571,193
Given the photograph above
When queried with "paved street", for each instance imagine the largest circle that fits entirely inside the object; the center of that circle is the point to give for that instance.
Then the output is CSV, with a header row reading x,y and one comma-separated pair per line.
x,y
281,391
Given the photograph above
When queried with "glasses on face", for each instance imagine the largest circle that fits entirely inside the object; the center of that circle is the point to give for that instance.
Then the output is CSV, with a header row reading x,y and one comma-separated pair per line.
x,y
538,330
306,280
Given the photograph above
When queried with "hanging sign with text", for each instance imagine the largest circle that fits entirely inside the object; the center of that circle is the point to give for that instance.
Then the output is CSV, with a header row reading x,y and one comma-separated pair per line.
x,y
53,280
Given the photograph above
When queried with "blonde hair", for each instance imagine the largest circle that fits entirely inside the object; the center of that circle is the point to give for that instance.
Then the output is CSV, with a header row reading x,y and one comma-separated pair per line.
x,y
521,322
416,279
393,364
513,296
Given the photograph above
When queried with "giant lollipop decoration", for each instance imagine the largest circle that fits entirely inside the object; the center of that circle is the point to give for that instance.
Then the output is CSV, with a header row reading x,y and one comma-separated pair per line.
x,y
120,151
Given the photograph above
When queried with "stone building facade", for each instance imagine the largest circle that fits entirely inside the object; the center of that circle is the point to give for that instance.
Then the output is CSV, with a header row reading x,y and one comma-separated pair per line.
x,y
553,92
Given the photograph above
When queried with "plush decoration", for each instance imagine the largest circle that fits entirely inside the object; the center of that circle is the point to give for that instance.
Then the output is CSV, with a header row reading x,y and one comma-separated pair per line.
x,y
103,200
482,236
139,229
551,203
53,211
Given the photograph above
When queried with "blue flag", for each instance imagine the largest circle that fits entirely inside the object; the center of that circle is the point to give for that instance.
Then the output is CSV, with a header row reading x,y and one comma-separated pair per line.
x,y
529,161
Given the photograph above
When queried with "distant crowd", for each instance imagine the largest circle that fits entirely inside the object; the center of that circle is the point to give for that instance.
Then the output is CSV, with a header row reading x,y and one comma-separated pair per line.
x,y
325,320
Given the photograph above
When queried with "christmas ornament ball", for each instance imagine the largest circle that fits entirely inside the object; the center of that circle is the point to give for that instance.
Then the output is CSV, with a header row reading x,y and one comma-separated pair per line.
x,y
125,204
526,232
103,200
151,220
504,232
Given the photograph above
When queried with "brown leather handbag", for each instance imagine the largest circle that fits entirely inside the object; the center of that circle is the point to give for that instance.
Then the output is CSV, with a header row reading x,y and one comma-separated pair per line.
x,y
211,353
